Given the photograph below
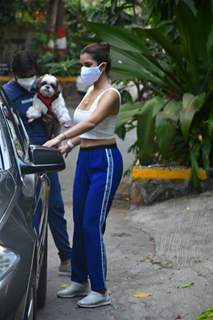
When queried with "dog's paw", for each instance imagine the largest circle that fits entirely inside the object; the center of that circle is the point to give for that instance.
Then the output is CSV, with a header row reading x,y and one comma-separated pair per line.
x,y
30,120
67,124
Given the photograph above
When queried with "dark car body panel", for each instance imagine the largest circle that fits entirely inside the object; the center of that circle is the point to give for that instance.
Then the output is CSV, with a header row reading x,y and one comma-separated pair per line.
x,y
23,217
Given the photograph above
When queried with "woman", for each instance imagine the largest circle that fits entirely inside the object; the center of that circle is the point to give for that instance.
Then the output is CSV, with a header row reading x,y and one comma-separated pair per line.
x,y
98,174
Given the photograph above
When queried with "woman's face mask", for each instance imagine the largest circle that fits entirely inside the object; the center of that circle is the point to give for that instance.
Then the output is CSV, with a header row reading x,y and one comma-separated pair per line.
x,y
90,75
26,83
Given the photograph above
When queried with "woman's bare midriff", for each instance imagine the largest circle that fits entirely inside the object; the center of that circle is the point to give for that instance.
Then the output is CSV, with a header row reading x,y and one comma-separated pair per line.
x,y
86,143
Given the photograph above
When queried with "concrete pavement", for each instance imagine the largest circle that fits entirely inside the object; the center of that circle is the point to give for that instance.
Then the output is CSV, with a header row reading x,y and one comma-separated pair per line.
x,y
165,250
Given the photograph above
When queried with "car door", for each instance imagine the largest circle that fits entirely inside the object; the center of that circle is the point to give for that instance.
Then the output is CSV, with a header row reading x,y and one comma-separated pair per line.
x,y
34,186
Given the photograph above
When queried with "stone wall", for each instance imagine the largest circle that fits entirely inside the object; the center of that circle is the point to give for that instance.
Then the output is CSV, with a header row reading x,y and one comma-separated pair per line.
x,y
147,192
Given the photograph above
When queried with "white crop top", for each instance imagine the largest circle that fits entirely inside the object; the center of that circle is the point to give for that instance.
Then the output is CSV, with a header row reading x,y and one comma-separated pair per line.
x,y
105,129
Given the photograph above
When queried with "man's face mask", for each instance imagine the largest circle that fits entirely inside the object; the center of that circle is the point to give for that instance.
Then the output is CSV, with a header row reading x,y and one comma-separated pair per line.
x,y
26,83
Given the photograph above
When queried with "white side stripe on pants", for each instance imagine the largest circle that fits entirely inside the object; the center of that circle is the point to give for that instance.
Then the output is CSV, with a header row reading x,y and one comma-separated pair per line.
x,y
105,202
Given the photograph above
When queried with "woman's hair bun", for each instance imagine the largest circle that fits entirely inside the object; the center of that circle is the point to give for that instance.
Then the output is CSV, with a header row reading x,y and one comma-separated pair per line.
x,y
105,46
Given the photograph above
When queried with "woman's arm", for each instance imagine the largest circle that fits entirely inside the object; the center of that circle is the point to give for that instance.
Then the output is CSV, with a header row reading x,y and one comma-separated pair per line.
x,y
108,105
66,148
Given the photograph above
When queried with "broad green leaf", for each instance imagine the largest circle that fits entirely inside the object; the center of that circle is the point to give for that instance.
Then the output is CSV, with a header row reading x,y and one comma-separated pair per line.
x,y
158,36
145,137
191,105
165,133
171,110
209,47
128,112
119,38
166,127
131,57
138,66
146,128
191,5
193,38
121,74
206,315
157,103
171,49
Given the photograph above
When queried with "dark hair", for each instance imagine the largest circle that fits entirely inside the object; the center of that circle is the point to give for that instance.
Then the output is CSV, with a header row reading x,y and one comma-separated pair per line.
x,y
100,52
23,63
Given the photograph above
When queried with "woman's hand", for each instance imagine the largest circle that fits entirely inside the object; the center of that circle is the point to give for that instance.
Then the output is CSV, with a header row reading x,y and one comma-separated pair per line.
x,y
53,142
65,149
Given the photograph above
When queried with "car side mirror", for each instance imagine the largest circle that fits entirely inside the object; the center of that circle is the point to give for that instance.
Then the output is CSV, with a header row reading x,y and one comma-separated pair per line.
x,y
43,159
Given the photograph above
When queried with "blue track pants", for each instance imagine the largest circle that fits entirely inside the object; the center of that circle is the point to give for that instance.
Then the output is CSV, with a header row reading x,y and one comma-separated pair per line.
x,y
98,174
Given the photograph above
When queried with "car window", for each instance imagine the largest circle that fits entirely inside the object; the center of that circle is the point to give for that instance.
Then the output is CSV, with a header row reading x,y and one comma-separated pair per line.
x,y
18,131
4,152
17,142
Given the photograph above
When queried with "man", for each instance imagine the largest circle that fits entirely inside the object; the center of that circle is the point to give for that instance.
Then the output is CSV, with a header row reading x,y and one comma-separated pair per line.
x,y
20,92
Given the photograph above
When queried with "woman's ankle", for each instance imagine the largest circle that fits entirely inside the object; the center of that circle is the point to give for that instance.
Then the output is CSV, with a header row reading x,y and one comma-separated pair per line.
x,y
104,291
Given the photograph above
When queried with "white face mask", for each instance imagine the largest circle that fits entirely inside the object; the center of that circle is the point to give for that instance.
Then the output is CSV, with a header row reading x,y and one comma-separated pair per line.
x,y
89,75
26,83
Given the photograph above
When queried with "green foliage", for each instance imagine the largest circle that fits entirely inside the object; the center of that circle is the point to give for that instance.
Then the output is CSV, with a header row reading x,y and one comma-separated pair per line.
x,y
207,315
8,11
77,13
63,67
17,12
176,124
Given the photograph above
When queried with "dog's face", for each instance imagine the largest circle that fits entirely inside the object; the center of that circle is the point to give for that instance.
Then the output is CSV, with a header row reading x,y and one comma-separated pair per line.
x,y
48,86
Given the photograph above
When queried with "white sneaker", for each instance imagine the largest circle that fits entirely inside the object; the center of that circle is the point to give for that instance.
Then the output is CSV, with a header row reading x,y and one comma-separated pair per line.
x,y
95,299
74,290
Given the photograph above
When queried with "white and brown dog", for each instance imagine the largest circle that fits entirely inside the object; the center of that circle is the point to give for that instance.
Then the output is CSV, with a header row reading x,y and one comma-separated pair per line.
x,y
49,100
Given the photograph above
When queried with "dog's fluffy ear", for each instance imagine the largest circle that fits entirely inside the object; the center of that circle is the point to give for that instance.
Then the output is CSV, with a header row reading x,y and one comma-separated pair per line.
x,y
38,83
59,87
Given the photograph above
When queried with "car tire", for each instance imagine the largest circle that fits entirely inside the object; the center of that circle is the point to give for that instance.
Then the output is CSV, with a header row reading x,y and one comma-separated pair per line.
x,y
42,283
31,309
